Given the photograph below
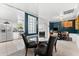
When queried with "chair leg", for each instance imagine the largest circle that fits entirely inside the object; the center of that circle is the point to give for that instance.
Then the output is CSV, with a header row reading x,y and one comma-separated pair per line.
x,y
26,51
52,52
55,48
35,52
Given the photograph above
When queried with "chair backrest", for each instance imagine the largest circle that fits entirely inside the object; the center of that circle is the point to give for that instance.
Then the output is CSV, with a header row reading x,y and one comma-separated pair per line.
x,y
25,40
50,46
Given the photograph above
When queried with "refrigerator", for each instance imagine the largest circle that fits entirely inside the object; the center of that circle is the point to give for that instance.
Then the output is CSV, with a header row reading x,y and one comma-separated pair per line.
x,y
6,32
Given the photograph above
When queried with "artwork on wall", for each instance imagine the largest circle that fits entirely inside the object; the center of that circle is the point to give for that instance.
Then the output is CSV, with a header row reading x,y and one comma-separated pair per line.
x,y
68,24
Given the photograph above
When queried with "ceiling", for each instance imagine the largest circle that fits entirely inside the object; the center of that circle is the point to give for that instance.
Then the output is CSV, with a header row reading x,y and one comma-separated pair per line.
x,y
31,8
46,11
50,11
7,14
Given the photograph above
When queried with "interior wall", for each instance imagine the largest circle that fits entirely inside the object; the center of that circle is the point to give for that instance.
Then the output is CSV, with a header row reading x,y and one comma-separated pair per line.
x,y
60,26
8,14
43,26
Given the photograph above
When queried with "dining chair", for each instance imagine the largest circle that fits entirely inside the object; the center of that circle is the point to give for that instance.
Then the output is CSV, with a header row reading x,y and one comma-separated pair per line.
x,y
31,44
45,49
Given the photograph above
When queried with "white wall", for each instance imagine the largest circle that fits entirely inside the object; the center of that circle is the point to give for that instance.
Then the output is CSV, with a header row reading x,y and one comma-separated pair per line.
x,y
8,14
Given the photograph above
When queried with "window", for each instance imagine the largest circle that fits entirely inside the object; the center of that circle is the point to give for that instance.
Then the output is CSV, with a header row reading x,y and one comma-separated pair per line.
x,y
31,24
